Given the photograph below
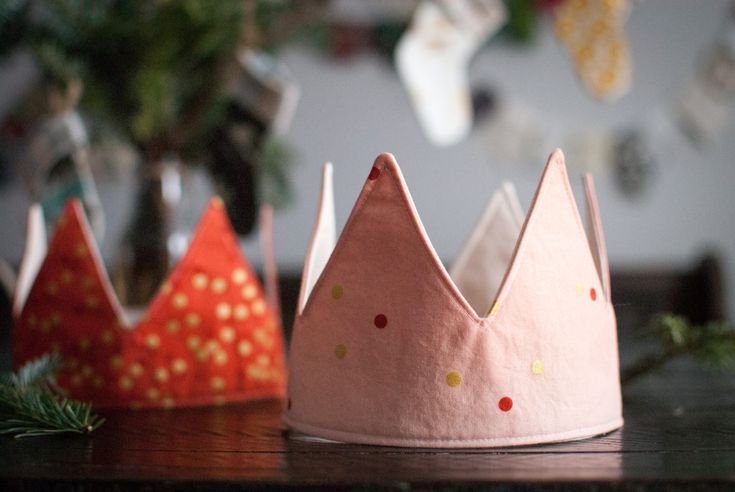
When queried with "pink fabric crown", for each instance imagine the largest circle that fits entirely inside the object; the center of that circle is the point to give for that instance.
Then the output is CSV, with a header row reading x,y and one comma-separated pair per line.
x,y
387,350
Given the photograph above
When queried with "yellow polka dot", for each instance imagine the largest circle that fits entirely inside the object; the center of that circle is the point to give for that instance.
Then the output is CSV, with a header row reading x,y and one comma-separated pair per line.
x,y
202,354
91,302
193,342
494,309
116,361
152,341
32,320
193,319
537,367
220,358
244,348
152,394
87,371
87,282
261,336
107,337
249,292
580,289
264,359
227,334
337,292
239,276
258,307
340,351
168,402
161,374
178,366
241,312
45,325
453,379
219,285
217,383
80,250
126,383
98,382
223,311
136,369
84,343
179,300
52,288
173,325
76,380
66,277
199,281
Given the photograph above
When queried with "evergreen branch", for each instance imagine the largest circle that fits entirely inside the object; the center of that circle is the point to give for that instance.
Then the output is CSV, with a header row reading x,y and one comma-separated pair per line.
x,y
31,404
711,344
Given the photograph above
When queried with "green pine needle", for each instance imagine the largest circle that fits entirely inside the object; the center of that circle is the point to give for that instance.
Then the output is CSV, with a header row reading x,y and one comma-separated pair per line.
x,y
32,405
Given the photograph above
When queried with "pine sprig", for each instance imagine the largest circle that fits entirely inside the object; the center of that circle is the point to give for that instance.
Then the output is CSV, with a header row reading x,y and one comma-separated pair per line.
x,y
32,405
711,344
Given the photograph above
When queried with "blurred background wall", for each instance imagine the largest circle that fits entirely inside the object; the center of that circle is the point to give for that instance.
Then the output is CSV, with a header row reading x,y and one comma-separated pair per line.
x,y
349,111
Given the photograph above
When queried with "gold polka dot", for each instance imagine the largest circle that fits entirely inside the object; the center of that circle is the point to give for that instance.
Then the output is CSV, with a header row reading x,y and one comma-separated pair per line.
x,y
32,320
161,374
537,367
87,282
136,369
91,302
193,342
87,371
173,325
340,351
202,354
239,276
116,361
152,341
98,382
262,337
217,383
193,319
72,362
337,291
84,343
223,311
241,312
249,292
152,394
55,319
66,277
80,250
265,359
244,348
107,337
454,379
52,288
258,307
199,281
76,380
166,288
126,383
179,300
178,366
227,334
580,289
168,402
494,309
220,358
219,285
45,325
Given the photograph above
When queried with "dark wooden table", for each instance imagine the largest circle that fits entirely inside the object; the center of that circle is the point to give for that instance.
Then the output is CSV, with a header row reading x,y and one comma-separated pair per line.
x,y
679,433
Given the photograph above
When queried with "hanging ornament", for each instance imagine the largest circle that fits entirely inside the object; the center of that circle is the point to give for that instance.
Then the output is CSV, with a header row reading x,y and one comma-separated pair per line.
x,y
593,32
634,163
432,59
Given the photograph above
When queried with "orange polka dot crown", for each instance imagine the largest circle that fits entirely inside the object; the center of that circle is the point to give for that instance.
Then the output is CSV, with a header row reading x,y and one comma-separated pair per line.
x,y
209,335
517,346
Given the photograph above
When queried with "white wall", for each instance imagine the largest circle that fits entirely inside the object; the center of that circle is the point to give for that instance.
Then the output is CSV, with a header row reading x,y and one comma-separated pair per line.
x,y
349,112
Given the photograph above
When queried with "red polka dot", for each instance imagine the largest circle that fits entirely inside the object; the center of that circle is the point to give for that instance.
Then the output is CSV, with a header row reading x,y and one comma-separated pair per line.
x,y
374,173
593,294
505,404
381,321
